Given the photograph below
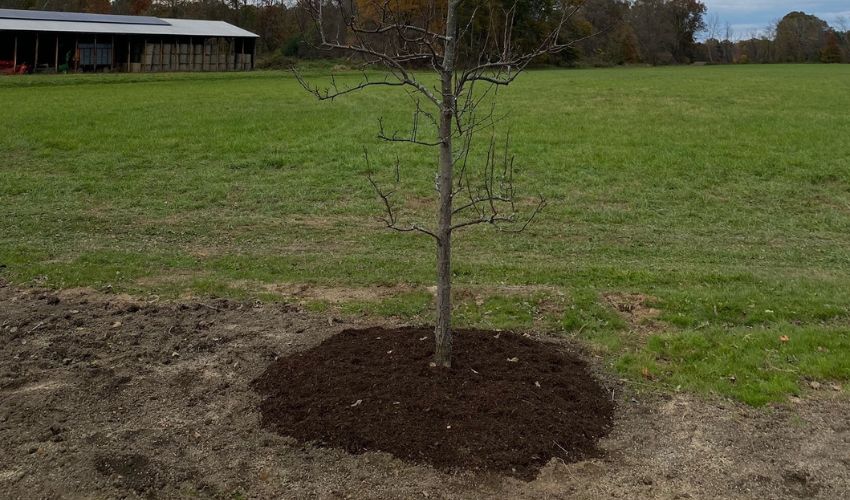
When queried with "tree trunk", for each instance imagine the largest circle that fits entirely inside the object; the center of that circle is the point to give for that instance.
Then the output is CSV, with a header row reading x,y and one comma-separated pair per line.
x,y
443,331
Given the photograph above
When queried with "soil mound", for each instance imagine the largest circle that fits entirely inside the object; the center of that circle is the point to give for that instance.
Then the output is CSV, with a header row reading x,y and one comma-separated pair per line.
x,y
509,404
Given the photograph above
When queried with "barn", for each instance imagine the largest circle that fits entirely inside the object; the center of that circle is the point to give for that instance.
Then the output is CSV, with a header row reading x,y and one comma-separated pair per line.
x,y
62,42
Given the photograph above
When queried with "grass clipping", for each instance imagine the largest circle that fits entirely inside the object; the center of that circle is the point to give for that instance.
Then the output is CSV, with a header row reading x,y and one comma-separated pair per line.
x,y
508,405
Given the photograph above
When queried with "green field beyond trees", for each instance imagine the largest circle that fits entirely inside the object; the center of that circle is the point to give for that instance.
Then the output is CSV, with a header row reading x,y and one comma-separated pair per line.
x,y
696,215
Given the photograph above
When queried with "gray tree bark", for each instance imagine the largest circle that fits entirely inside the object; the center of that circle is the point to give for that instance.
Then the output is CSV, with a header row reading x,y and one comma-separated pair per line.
x,y
443,330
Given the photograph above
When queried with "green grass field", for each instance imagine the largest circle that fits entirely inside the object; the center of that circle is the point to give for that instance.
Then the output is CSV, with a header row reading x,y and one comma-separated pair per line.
x,y
721,195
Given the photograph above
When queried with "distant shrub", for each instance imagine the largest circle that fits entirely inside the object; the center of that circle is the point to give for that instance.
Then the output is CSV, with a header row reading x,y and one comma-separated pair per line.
x,y
276,60
664,58
292,47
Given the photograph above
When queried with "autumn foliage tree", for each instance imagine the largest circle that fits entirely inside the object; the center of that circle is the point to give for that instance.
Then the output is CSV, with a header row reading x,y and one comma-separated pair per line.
x,y
666,30
831,53
799,37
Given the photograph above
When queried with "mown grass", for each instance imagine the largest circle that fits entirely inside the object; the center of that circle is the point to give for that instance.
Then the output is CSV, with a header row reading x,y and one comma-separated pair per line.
x,y
723,193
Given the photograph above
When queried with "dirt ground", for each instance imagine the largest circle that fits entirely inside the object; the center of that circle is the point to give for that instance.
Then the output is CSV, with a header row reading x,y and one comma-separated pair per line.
x,y
508,404
104,396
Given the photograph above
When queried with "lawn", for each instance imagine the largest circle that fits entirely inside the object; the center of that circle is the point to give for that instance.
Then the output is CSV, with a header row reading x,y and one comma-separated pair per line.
x,y
695,216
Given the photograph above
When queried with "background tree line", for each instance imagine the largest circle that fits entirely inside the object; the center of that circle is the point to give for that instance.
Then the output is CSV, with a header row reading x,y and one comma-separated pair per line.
x,y
796,38
613,32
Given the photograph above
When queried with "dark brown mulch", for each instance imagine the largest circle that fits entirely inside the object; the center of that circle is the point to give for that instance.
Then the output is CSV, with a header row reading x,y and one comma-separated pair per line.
x,y
509,404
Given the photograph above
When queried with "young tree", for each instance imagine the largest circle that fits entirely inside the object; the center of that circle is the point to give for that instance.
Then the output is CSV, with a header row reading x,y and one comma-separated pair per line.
x,y
712,27
472,48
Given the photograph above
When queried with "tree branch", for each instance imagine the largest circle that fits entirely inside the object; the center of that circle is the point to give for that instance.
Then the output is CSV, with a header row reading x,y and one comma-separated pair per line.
x,y
390,219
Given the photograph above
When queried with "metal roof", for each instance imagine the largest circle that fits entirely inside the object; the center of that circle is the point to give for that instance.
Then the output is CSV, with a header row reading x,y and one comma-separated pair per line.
x,y
45,15
174,27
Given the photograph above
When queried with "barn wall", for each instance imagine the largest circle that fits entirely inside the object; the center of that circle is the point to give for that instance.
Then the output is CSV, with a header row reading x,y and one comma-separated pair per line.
x,y
48,52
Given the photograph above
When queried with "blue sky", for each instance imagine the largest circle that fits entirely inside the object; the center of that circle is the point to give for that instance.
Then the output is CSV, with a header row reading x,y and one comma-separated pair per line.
x,y
747,16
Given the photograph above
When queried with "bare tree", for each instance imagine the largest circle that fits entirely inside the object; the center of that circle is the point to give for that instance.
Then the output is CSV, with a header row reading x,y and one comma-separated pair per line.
x,y
843,23
712,29
472,52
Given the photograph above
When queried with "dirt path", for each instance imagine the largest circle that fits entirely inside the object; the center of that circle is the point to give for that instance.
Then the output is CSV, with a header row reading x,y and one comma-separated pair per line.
x,y
104,397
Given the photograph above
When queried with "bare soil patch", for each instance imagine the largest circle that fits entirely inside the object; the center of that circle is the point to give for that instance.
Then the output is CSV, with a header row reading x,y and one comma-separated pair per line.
x,y
509,404
111,397
336,295
635,308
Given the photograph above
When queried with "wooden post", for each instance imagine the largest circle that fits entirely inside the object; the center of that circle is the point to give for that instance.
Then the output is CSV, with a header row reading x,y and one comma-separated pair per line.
x,y
242,62
161,53
112,53
56,59
76,54
128,54
191,55
35,59
254,57
94,59
15,56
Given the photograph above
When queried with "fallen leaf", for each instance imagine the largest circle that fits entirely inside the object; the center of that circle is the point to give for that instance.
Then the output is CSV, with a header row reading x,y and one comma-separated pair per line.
x,y
117,324
784,339
423,338
537,384
389,352
357,403
473,371
645,373
513,360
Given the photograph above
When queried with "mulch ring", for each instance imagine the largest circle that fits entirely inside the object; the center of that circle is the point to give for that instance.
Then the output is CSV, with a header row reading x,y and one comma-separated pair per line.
x,y
509,404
